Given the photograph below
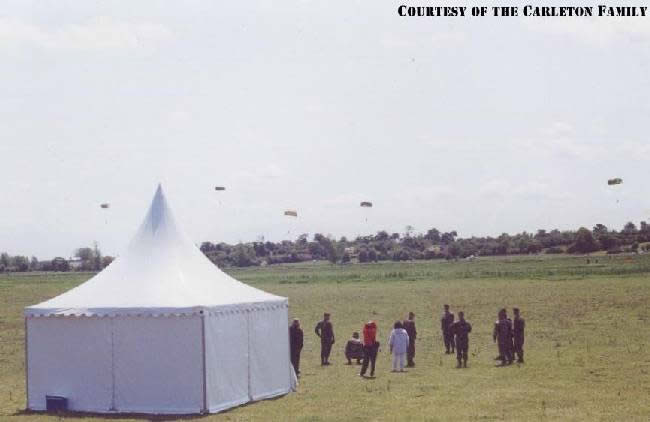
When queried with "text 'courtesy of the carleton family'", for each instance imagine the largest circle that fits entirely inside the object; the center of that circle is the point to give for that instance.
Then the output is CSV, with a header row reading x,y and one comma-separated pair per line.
x,y
528,10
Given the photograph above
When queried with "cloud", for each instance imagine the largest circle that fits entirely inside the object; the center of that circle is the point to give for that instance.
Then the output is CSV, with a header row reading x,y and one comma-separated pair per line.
x,y
262,175
532,190
96,34
594,30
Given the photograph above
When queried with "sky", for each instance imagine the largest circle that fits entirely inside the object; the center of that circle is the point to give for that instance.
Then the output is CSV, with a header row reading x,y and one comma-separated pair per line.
x,y
479,125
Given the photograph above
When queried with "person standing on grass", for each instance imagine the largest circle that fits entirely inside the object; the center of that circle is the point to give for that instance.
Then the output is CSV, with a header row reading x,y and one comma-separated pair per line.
x,y
445,322
461,329
409,326
295,344
398,343
325,330
518,335
370,348
502,334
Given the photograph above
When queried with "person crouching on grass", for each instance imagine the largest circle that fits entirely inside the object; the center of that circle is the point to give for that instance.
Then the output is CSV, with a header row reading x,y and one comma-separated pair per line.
x,y
398,343
354,349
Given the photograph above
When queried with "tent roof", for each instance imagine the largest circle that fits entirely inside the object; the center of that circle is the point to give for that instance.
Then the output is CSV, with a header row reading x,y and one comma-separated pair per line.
x,y
162,272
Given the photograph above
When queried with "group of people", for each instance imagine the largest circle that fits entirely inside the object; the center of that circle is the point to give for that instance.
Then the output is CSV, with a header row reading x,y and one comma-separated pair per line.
x,y
508,334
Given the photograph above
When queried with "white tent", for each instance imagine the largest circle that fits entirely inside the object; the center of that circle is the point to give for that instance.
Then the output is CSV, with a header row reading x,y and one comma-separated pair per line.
x,y
160,330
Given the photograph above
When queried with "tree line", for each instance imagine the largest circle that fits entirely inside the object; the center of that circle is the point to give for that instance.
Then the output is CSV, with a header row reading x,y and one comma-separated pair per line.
x,y
383,246
85,259
434,244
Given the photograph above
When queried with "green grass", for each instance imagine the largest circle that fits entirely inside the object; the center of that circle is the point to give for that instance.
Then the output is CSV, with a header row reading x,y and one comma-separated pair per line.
x,y
587,344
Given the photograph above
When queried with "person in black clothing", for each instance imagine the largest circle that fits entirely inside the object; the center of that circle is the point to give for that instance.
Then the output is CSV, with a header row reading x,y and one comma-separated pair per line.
x,y
502,334
461,329
409,326
518,335
295,344
354,349
325,330
445,322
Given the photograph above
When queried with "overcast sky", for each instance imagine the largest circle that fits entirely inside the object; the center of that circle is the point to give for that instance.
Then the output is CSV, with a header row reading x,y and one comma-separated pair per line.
x,y
480,125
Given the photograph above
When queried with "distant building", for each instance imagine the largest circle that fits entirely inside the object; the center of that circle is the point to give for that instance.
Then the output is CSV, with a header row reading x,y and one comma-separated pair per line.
x,y
75,263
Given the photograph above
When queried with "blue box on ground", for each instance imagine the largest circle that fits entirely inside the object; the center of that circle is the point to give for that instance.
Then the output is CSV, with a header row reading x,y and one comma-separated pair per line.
x,y
56,403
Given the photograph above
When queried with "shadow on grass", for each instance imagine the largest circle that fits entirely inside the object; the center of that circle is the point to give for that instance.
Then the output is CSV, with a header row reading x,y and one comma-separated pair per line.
x,y
142,416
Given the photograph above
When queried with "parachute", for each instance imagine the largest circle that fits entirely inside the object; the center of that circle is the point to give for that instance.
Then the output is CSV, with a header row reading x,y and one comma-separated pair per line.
x,y
219,188
105,205
366,204
291,213
616,181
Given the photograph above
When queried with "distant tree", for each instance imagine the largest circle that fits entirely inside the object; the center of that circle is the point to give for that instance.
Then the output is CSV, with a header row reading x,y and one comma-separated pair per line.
x,y
395,236
629,228
260,249
242,256
400,254
5,259
59,264
33,264
599,230
345,258
372,255
97,257
608,241
448,237
20,263
85,254
363,255
302,239
330,250
644,232
433,235
534,247
554,250
408,230
106,261
381,236
454,250
584,242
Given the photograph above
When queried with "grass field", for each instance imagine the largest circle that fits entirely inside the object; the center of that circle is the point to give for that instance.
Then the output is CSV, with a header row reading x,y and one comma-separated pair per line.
x,y
587,344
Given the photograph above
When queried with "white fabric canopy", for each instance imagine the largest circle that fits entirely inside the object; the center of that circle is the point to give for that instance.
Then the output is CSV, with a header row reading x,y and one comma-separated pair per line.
x,y
160,330
161,272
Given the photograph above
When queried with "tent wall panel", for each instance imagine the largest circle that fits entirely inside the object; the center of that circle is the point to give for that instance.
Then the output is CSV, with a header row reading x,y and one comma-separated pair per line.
x,y
270,374
69,357
226,343
158,364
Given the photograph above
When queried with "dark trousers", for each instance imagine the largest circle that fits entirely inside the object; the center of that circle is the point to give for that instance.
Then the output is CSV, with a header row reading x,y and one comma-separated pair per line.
x,y
461,351
325,349
410,353
505,351
449,341
369,357
295,360
518,348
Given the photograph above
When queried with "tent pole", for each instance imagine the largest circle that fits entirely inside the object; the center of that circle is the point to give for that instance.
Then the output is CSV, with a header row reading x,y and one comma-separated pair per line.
x,y
113,408
248,352
205,393
26,367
